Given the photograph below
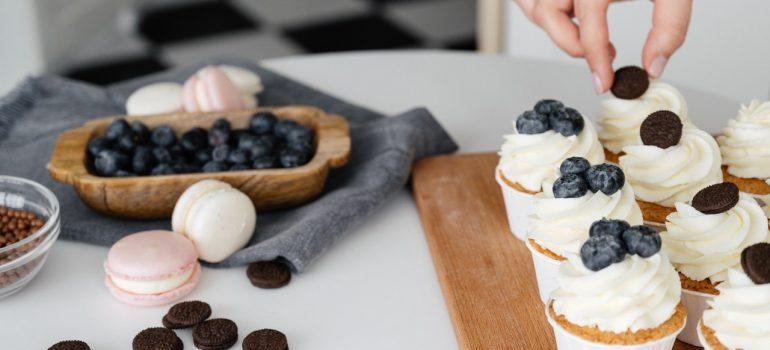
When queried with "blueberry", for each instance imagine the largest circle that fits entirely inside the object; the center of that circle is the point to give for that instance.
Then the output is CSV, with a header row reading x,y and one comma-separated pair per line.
x,y
299,134
283,126
548,106
219,136
239,156
239,167
220,153
178,154
163,136
123,173
98,144
184,168
301,146
642,240
570,186
292,159
142,161
222,124
126,144
194,139
531,122
141,132
574,165
269,140
108,162
203,156
610,227
162,169
260,149
162,155
263,162
118,128
247,141
601,251
237,135
567,122
262,122
607,178
214,167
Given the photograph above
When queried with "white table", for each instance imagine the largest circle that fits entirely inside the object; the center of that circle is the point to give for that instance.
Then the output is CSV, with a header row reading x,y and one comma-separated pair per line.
x,y
377,288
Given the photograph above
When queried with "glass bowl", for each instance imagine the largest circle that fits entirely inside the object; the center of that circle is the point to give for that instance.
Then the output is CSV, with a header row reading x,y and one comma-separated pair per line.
x,y
21,261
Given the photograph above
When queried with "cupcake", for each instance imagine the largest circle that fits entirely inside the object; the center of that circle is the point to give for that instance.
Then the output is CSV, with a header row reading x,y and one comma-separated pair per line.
x,y
671,165
619,293
705,238
635,97
739,318
745,147
564,214
544,138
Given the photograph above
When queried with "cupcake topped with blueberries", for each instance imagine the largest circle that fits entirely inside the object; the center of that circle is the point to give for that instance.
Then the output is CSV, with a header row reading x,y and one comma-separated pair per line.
x,y
673,163
619,290
546,136
581,195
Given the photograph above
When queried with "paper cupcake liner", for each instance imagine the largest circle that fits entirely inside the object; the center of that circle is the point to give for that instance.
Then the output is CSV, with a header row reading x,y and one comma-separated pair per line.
x,y
518,207
546,270
702,338
696,303
568,341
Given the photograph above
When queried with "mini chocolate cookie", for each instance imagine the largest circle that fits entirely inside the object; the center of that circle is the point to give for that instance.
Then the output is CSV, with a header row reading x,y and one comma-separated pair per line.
x,y
157,338
755,260
717,198
186,314
215,334
662,129
630,83
70,345
268,274
265,339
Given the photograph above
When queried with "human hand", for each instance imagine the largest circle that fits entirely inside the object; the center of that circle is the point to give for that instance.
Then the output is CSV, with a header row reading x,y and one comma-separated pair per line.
x,y
589,37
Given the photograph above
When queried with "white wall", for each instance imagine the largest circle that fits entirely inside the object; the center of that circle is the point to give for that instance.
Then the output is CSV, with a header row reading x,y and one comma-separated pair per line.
x,y
727,51
22,50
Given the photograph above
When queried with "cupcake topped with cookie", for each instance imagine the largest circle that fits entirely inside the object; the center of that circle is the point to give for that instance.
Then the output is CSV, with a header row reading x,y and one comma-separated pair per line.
x,y
635,97
673,163
619,290
745,146
739,318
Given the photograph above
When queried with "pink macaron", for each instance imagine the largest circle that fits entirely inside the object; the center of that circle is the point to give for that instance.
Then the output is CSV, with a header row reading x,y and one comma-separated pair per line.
x,y
152,268
211,90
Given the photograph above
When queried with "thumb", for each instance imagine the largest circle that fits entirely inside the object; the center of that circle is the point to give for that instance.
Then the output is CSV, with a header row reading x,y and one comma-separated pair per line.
x,y
670,20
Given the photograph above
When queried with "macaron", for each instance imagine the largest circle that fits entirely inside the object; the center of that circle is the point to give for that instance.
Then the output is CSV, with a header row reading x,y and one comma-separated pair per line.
x,y
211,90
216,217
246,81
151,268
156,98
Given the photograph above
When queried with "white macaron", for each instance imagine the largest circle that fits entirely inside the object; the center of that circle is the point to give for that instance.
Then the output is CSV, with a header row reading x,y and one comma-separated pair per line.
x,y
156,98
216,217
246,81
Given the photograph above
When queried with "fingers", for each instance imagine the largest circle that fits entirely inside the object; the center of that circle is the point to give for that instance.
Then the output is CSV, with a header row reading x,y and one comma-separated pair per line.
x,y
594,37
557,23
670,20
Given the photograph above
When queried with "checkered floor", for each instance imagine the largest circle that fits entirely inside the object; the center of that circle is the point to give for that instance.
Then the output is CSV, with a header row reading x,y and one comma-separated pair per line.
x,y
189,31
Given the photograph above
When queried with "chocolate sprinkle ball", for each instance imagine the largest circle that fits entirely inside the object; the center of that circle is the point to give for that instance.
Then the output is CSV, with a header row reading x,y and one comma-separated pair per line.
x,y
16,225
755,261
662,129
186,314
716,199
265,339
268,274
157,338
215,334
630,82
70,345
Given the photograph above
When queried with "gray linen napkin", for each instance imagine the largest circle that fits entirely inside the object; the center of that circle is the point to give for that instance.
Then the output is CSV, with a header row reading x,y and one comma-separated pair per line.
x,y
34,114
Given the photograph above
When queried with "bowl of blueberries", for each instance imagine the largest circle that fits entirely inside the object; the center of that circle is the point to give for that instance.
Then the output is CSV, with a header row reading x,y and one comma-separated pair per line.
x,y
136,167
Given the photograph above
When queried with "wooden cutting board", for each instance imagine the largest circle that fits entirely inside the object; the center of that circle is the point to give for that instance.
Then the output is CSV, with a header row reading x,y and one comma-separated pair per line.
x,y
486,274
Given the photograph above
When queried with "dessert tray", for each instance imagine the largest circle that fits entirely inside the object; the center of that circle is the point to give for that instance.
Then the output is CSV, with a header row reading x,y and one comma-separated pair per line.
x,y
153,197
486,274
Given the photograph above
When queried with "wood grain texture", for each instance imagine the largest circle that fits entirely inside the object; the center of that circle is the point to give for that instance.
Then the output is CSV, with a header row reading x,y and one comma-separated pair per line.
x,y
153,197
486,274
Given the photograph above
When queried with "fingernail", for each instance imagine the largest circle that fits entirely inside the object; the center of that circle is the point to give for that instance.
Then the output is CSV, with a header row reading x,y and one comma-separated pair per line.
x,y
657,66
598,86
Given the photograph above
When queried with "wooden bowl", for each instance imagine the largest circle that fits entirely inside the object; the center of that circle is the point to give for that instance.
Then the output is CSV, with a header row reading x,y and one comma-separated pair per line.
x,y
154,197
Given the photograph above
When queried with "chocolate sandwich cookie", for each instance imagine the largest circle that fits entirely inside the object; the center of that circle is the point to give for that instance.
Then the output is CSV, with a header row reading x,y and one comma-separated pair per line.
x,y
186,314
716,199
630,82
215,334
662,129
70,345
157,338
265,339
268,274
755,261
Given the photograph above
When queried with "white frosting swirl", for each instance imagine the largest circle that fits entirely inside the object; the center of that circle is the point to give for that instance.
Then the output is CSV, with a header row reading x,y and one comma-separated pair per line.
x,y
531,159
745,142
620,119
740,314
635,294
706,245
561,224
674,174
